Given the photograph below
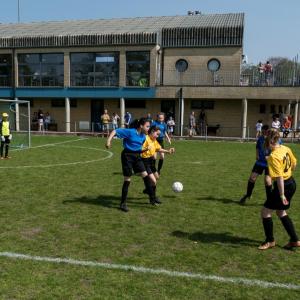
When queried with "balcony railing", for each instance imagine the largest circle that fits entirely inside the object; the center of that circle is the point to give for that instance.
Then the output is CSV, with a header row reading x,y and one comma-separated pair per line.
x,y
227,78
5,80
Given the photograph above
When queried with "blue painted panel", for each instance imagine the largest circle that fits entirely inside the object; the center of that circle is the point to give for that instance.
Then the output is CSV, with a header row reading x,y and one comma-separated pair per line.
x,y
6,92
106,93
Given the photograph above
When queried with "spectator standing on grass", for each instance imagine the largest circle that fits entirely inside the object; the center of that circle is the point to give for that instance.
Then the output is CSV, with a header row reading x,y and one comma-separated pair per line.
x,y
40,117
105,119
115,121
47,121
127,119
171,126
258,126
192,124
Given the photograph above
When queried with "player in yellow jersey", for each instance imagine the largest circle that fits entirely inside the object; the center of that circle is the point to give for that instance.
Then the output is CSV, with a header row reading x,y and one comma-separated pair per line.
x,y
281,163
150,148
5,135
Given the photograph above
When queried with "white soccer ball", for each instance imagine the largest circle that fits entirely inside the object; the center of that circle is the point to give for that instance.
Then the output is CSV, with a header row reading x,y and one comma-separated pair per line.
x,y
177,187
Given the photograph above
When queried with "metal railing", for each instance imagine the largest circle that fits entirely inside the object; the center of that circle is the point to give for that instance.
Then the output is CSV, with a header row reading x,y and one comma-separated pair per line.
x,y
235,78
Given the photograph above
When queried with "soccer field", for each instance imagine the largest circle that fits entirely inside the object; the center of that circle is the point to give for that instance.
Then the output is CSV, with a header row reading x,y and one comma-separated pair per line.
x,y
60,199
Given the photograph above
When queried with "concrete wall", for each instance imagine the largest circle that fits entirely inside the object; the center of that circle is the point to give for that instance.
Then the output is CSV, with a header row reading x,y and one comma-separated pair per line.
x,y
197,72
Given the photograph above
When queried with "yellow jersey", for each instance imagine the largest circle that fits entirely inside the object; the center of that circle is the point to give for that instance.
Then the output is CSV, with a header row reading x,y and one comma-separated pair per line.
x,y
281,162
5,128
105,118
153,145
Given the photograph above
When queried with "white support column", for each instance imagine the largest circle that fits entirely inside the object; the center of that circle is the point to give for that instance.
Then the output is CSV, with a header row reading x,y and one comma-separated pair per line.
x,y
122,111
181,114
68,114
17,116
296,115
244,118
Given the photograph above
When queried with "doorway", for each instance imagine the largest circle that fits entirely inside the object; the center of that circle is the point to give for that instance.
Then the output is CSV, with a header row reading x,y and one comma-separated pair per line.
x,y
168,107
97,109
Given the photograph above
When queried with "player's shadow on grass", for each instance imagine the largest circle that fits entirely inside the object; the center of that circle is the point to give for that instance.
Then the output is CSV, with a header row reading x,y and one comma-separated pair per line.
x,y
109,201
226,200
216,238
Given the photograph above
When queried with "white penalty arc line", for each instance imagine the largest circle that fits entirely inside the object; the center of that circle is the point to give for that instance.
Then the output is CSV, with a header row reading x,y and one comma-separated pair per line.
x,y
199,276
110,154
49,145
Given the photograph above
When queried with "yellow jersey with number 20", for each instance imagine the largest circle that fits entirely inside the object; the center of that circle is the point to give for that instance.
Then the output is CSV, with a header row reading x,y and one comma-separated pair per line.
x,y
281,162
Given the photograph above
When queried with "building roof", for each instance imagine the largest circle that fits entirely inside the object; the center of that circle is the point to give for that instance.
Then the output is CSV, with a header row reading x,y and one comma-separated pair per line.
x,y
145,30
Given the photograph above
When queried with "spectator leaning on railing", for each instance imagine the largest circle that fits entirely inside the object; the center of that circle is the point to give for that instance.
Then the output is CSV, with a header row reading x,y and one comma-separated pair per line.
x,y
268,72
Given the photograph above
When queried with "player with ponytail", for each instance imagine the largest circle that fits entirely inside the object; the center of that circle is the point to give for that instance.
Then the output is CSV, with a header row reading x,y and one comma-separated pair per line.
x,y
133,140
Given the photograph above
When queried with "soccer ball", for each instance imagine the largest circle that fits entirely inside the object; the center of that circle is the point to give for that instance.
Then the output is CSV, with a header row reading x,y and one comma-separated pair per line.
x,y
177,187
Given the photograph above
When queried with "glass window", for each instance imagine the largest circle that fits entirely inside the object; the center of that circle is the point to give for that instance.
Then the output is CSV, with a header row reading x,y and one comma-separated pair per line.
x,y
213,65
45,69
138,68
5,70
95,69
262,108
181,65
202,104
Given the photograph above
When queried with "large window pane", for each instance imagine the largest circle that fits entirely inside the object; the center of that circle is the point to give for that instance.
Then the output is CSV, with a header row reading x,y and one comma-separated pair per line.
x,y
5,70
45,69
94,69
138,68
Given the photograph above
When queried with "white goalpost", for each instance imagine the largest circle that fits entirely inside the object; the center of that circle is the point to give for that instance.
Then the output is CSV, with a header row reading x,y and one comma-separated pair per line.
x,y
19,121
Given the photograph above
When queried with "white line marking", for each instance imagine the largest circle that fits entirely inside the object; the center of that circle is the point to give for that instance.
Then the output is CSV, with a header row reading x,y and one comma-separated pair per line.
x,y
199,276
52,144
110,154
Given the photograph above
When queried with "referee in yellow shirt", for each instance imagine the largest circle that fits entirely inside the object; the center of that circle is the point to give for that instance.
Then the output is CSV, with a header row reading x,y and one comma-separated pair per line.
x,y
281,163
150,147
5,135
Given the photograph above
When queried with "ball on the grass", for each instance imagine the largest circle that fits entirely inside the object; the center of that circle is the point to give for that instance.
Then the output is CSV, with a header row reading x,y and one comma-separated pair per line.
x,y
177,187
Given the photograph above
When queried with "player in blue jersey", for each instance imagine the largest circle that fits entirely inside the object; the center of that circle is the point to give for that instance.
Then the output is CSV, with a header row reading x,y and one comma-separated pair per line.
x,y
161,124
133,140
259,167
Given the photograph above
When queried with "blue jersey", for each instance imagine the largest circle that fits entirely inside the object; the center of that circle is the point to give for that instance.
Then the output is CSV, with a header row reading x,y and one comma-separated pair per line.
x,y
162,127
132,139
262,152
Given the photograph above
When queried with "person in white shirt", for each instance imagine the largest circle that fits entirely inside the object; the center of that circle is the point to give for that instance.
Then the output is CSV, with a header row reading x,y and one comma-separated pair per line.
x,y
47,121
171,126
258,126
276,123
115,121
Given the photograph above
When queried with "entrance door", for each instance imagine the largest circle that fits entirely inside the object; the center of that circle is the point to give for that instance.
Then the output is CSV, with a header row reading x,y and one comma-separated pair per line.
x,y
168,107
97,109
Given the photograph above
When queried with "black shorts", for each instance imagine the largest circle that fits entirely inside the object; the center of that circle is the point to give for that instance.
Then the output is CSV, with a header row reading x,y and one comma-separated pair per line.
x,y
161,142
274,202
260,169
7,140
149,164
131,161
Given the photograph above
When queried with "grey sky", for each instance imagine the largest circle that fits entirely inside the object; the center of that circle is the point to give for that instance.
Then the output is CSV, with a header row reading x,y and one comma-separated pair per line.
x,y
272,27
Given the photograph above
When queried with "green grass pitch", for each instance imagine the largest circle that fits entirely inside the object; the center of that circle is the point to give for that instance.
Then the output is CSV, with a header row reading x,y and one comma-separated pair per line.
x,y
70,210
